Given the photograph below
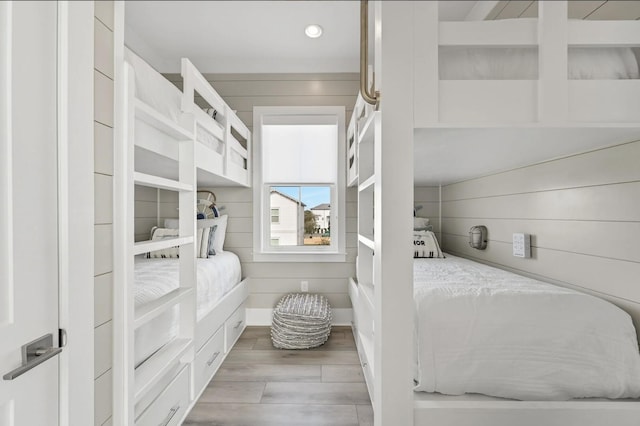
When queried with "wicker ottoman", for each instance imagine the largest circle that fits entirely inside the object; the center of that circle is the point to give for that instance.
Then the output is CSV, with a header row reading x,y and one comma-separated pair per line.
x,y
301,321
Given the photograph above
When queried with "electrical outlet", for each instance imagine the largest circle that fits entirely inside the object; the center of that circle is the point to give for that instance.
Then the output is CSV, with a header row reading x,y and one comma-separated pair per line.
x,y
304,286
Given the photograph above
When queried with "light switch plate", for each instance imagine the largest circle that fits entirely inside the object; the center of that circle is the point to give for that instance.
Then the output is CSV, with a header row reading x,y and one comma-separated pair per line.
x,y
521,245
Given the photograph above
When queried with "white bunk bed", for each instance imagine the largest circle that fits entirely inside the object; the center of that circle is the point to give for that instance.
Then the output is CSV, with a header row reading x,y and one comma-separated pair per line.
x,y
481,114
170,143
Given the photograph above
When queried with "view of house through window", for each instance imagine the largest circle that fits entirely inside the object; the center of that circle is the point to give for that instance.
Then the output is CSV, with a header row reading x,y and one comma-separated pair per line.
x,y
300,215
299,190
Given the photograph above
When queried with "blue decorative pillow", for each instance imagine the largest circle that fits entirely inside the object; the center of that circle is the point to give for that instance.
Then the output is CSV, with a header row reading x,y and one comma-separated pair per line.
x,y
212,236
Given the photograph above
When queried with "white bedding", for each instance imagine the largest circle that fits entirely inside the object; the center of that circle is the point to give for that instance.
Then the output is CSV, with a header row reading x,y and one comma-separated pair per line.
x,y
153,278
486,63
484,330
155,90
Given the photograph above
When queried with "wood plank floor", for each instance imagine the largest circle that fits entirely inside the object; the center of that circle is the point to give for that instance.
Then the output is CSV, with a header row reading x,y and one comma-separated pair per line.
x,y
259,385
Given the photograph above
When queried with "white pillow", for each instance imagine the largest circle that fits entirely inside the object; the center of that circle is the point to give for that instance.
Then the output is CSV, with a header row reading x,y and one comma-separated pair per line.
x,y
418,222
163,234
221,230
203,249
220,222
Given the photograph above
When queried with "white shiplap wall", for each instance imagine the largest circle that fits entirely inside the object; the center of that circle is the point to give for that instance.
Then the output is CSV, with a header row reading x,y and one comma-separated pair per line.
x,y
583,213
270,281
103,187
429,198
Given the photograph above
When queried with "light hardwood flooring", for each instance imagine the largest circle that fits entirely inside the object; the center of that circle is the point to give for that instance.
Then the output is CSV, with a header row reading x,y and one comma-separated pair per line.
x,y
259,385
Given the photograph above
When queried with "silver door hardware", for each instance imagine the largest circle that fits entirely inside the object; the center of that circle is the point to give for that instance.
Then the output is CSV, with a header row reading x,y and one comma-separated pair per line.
x,y
62,337
34,354
213,358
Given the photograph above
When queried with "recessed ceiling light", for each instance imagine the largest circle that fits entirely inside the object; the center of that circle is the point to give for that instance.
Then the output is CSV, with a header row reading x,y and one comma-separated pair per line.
x,y
313,31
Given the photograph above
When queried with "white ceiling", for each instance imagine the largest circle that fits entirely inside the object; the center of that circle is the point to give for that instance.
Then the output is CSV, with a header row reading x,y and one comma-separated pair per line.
x,y
252,36
245,36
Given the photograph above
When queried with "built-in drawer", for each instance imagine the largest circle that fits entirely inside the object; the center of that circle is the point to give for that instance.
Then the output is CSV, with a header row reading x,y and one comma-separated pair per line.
x,y
208,359
171,405
355,302
234,326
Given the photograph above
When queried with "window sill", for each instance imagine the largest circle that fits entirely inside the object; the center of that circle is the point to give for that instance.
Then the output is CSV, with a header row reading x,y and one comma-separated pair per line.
x,y
300,257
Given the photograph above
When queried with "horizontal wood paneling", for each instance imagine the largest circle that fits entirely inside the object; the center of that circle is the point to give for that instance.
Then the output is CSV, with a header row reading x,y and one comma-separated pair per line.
x,y
104,12
103,299
583,237
617,202
103,149
429,198
103,348
575,171
250,77
583,214
103,39
146,211
259,300
103,199
286,285
103,145
103,99
103,398
244,91
103,254
279,88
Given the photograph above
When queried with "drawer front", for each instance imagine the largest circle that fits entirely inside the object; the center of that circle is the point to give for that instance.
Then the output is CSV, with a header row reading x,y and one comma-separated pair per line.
x,y
234,326
355,302
208,359
171,405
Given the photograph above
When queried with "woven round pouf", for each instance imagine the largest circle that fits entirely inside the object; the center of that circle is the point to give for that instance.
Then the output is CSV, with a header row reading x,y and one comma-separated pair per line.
x,y
301,321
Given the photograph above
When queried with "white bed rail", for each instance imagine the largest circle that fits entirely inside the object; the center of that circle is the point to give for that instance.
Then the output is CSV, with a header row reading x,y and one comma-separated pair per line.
x,y
226,126
551,99
195,82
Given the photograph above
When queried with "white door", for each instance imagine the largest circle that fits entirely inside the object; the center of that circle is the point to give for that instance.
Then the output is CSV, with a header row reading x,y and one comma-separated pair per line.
x,y
28,211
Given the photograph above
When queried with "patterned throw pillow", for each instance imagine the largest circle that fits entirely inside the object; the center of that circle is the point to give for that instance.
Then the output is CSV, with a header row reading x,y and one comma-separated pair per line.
x,y
212,237
163,234
425,245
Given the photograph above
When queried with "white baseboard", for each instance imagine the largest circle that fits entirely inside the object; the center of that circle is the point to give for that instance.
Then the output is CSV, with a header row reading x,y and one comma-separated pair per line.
x,y
262,317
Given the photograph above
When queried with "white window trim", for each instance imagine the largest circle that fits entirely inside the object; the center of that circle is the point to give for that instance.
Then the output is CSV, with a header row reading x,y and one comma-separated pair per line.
x,y
262,250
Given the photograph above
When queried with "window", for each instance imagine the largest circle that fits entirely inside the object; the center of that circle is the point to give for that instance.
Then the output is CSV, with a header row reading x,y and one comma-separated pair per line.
x,y
299,184
275,215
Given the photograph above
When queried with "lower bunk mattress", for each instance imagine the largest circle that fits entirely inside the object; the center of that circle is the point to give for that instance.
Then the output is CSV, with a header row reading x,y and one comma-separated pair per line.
x,y
484,330
217,276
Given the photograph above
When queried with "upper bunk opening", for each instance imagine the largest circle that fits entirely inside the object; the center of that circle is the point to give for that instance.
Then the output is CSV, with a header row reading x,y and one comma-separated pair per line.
x,y
522,62
506,84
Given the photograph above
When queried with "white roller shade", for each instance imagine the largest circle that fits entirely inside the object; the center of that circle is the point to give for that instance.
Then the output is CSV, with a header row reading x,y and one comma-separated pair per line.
x,y
299,153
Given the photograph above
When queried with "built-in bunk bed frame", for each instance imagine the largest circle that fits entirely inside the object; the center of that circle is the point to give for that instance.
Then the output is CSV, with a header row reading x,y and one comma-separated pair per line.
x,y
420,112
158,152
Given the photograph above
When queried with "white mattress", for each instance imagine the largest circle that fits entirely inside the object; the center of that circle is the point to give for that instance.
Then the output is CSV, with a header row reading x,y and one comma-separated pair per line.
x,y
156,277
486,63
484,330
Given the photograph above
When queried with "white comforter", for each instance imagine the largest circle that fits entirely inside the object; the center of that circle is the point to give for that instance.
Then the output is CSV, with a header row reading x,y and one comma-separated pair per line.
x,y
483,330
156,277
